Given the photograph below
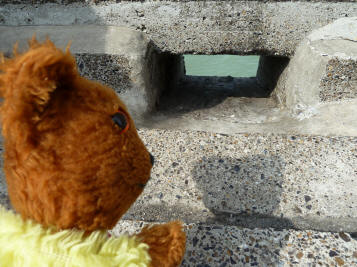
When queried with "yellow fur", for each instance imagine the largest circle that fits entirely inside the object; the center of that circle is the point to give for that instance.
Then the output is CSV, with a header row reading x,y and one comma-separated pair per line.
x,y
28,244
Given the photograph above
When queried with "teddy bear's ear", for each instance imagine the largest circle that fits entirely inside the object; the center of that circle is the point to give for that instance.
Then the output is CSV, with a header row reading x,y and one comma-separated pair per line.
x,y
30,78
28,82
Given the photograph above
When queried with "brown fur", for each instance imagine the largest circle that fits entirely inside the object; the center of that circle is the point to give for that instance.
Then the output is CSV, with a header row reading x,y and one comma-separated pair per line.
x,y
166,244
66,163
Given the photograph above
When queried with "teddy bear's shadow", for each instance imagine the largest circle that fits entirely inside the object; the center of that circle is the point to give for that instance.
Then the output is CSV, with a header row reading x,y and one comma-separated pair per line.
x,y
243,191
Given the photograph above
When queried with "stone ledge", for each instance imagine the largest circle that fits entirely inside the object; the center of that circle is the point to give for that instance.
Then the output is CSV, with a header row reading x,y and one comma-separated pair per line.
x,y
250,180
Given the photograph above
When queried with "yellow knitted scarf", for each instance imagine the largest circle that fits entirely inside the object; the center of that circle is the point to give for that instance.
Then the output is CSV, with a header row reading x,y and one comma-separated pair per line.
x,y
28,244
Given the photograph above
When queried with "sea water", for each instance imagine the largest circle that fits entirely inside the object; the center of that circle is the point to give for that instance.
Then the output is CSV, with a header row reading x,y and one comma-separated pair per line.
x,y
221,65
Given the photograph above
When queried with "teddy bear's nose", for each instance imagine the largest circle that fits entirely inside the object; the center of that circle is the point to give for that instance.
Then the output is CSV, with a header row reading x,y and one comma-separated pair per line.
x,y
152,159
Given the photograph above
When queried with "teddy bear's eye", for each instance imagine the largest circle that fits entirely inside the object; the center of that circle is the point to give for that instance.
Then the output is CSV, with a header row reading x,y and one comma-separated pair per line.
x,y
120,119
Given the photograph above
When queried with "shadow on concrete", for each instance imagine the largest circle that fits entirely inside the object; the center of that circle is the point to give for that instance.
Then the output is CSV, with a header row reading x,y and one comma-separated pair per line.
x,y
269,70
197,92
243,191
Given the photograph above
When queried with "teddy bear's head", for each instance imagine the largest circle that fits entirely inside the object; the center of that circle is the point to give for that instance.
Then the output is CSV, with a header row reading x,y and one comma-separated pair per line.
x,y
73,158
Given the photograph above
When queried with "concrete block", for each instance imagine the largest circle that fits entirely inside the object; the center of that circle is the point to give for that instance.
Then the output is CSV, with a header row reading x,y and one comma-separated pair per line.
x,y
122,58
323,69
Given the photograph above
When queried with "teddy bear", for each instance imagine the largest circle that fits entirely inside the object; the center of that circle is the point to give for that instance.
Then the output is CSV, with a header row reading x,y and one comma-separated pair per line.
x,y
74,164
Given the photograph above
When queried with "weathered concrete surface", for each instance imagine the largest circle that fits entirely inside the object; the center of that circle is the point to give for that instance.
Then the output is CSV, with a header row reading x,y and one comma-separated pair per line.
x,y
251,180
206,27
119,57
323,69
219,245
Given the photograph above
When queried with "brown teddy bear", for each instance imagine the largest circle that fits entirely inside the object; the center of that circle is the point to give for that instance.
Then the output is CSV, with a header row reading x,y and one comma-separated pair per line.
x,y
73,158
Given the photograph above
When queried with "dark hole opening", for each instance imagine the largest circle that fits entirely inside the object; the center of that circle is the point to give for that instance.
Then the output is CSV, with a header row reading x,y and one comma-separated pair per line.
x,y
205,87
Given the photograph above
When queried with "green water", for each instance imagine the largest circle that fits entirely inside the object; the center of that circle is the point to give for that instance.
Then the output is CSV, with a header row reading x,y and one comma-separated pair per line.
x,y
221,65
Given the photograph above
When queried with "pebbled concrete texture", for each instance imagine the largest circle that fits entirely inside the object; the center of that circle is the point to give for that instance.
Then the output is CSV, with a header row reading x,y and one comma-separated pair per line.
x,y
202,27
252,180
339,80
322,69
112,70
223,246
122,58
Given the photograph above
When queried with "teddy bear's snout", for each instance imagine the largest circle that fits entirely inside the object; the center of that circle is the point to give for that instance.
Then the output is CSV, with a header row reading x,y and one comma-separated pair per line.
x,y
152,159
